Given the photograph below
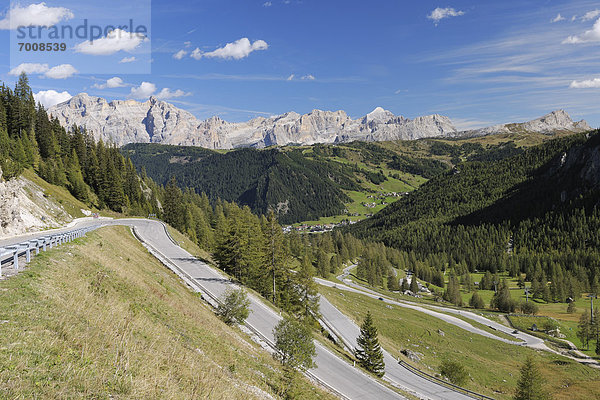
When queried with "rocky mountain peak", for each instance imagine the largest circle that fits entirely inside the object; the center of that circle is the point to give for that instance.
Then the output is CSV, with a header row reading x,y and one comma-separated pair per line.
x,y
379,114
556,121
130,121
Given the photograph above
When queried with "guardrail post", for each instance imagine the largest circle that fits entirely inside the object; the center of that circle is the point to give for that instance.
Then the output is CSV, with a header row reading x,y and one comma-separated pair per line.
x,y
44,244
28,254
16,259
37,247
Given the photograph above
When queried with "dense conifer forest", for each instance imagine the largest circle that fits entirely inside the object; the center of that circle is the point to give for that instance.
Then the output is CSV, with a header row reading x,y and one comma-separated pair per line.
x,y
536,212
94,172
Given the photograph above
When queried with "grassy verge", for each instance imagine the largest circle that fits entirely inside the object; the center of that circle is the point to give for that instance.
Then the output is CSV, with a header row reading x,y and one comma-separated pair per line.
x,y
493,366
101,318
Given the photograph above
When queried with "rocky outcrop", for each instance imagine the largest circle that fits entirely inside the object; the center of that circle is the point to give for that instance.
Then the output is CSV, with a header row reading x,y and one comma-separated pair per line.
x,y
156,121
24,208
556,121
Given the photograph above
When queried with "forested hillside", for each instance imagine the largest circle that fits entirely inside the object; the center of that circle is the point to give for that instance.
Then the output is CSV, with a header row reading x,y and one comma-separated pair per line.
x,y
95,173
536,212
306,183
282,180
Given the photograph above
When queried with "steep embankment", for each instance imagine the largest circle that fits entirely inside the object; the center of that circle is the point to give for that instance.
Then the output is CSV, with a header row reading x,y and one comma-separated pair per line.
x,y
29,203
101,318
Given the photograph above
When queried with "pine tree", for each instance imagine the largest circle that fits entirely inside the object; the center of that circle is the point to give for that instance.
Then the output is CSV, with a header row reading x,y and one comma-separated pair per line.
x,y
392,281
502,299
584,330
368,352
414,286
404,286
276,253
308,294
323,263
172,205
529,386
476,301
595,329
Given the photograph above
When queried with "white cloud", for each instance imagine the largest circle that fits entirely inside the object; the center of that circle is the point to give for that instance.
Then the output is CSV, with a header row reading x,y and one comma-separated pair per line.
x,y
180,54
237,50
146,89
111,83
125,60
440,13
59,72
308,78
62,71
587,84
187,44
49,98
166,93
29,68
267,4
592,35
590,15
558,18
34,15
115,41
291,77
197,54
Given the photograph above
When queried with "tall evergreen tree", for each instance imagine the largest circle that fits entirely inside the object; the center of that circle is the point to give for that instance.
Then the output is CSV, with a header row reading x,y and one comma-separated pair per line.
x,y
584,329
308,294
368,352
529,386
172,205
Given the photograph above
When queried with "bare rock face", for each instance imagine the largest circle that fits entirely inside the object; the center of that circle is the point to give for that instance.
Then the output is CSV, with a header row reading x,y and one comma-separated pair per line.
x,y
155,121
24,208
556,121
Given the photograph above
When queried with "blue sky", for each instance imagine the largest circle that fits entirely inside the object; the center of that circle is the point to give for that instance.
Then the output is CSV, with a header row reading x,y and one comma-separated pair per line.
x,y
478,62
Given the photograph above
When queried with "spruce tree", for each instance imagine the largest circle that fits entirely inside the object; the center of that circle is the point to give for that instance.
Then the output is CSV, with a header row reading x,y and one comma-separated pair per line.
x,y
392,281
584,330
529,386
172,205
476,301
368,352
323,263
404,286
307,288
414,286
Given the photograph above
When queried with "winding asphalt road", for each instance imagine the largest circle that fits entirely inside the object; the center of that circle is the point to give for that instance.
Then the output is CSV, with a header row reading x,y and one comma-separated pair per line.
x,y
348,381
441,312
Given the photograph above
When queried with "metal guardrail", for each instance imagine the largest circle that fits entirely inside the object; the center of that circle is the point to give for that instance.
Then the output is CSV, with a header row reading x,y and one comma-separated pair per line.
x,y
442,382
215,301
12,253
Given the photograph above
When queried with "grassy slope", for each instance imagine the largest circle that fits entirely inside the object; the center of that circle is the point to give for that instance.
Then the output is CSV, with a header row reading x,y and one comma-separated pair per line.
x,y
57,193
492,365
408,182
101,318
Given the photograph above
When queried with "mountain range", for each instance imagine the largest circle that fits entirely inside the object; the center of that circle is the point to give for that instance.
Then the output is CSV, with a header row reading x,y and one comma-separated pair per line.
x,y
155,121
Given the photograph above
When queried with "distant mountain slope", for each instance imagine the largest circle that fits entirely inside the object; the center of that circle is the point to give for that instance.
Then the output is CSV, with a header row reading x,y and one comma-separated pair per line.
x,y
554,122
543,203
299,188
309,182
